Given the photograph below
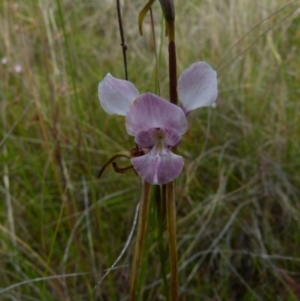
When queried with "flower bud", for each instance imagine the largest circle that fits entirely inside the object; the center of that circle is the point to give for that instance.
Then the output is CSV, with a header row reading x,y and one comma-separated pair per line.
x,y
168,9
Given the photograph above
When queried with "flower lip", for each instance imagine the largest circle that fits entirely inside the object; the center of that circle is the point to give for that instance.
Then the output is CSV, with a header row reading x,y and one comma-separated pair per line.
x,y
158,167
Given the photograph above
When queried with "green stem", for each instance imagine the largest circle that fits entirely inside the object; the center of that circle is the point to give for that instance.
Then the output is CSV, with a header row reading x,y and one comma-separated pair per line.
x,y
171,223
161,219
140,239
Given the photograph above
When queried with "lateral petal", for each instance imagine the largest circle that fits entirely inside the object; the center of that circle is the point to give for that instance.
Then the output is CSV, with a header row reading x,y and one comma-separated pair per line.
x,y
116,95
145,138
197,87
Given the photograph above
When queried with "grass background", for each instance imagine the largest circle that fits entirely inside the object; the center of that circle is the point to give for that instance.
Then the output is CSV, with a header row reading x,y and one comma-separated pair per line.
x,y
238,196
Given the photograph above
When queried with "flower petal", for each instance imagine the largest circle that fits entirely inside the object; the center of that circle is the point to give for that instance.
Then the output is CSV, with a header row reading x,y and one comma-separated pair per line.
x,y
116,95
150,111
158,167
145,138
148,138
197,86
172,138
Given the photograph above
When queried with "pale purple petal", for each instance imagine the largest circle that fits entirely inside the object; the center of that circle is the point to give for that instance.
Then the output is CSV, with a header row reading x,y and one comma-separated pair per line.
x,y
148,138
116,95
145,138
158,167
150,111
197,86
172,138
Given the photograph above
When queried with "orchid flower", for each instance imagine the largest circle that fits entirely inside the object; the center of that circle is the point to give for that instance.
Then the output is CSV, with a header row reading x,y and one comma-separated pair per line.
x,y
157,124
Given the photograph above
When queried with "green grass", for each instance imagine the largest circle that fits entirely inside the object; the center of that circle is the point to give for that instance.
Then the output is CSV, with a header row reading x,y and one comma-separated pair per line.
x,y
238,197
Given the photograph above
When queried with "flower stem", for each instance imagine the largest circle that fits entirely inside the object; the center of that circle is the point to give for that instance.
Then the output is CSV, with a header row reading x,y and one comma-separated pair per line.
x,y
160,197
140,239
172,64
169,193
171,223
123,44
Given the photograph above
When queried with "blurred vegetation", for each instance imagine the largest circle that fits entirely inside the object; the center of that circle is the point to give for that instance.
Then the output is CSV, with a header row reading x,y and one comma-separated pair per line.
x,y
238,197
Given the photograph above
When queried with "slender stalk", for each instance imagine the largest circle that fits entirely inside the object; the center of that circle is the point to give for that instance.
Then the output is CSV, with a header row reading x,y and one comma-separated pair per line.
x,y
124,49
160,198
140,239
169,14
111,160
172,64
123,44
171,223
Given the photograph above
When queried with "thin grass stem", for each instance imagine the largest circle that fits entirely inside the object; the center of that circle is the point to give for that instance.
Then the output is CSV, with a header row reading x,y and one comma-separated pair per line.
x,y
157,77
123,44
161,219
171,225
140,239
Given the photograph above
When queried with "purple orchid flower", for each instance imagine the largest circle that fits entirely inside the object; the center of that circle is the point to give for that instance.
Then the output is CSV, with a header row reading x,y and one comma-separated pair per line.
x,y
157,124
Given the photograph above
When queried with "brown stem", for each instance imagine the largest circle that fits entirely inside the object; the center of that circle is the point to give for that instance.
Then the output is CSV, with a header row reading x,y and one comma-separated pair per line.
x,y
121,169
171,222
123,44
110,161
172,64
